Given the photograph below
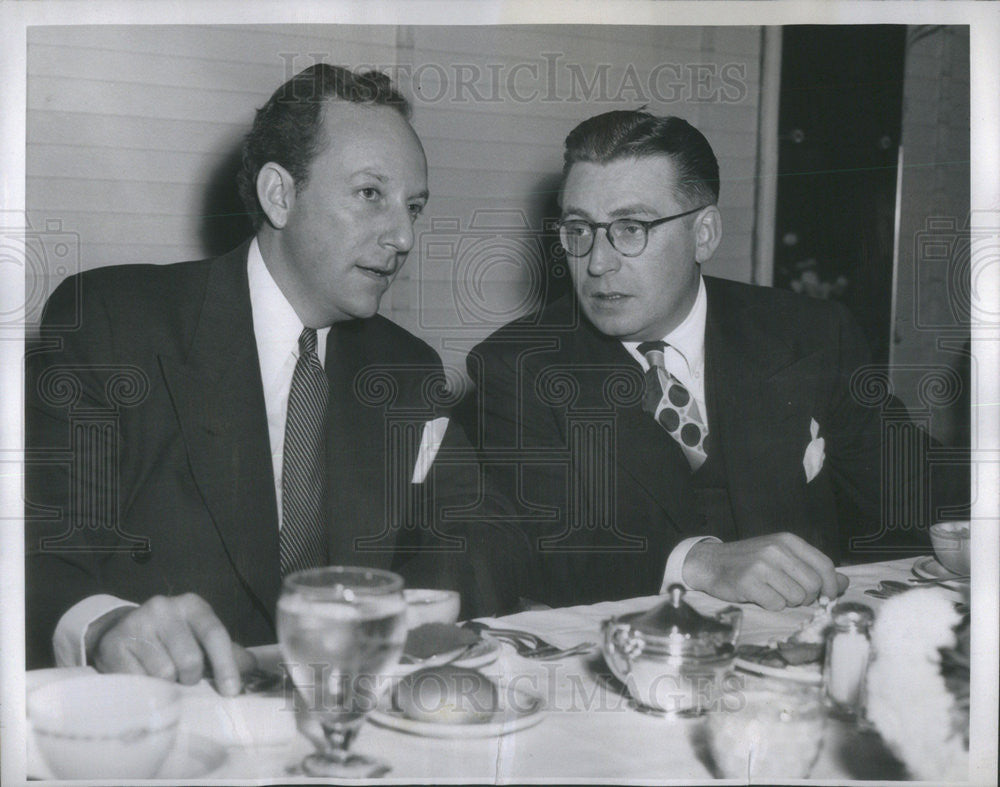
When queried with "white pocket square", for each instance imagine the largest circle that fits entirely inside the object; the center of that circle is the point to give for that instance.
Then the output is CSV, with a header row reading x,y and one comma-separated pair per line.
x,y
812,462
430,442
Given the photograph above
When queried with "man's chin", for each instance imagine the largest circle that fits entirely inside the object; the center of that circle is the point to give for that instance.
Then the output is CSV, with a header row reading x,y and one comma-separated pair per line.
x,y
365,312
355,311
615,326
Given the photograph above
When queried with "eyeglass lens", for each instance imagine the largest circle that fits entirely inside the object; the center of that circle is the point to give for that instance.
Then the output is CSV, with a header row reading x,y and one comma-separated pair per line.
x,y
625,235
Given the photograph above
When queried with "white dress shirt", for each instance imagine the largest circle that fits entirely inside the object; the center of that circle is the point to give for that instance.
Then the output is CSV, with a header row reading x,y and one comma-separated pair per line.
x,y
277,340
276,329
684,358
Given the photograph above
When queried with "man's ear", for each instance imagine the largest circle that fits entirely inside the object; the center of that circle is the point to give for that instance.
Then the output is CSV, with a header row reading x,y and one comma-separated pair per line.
x,y
708,233
276,193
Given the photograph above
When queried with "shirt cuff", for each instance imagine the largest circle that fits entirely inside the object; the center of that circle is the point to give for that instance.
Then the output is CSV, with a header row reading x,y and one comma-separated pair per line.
x,y
71,630
674,572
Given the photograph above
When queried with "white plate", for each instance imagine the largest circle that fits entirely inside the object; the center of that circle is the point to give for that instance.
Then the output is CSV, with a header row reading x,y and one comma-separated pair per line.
x,y
809,674
482,653
518,711
929,568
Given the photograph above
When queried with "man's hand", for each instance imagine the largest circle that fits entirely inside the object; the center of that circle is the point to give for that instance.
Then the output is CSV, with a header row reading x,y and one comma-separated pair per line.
x,y
169,637
775,571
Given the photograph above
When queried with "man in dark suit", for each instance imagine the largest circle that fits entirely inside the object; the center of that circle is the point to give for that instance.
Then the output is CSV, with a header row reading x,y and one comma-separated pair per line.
x,y
662,426
204,428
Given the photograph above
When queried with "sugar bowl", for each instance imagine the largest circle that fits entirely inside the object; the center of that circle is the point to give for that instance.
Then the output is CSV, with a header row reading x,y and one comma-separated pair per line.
x,y
672,658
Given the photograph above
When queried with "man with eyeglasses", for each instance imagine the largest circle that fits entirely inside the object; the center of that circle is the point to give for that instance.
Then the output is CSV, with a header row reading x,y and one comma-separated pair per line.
x,y
662,426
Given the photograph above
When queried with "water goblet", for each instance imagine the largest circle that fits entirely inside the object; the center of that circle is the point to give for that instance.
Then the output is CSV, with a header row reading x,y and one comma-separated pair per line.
x,y
341,630
767,732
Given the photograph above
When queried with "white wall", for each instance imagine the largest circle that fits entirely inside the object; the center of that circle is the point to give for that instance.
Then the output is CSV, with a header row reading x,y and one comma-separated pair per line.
x,y
128,127
132,132
932,275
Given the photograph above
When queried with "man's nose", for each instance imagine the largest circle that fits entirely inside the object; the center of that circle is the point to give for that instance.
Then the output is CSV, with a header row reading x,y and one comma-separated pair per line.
x,y
604,257
398,233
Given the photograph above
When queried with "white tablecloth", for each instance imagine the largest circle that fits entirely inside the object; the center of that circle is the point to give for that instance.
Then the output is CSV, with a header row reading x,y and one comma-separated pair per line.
x,y
589,731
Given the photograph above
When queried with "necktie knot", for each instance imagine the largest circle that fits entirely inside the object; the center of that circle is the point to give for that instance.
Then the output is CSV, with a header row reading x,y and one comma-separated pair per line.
x,y
307,341
672,405
653,352
652,347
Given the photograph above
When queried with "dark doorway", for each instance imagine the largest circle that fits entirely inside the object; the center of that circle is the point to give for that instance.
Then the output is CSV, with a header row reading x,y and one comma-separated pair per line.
x,y
839,125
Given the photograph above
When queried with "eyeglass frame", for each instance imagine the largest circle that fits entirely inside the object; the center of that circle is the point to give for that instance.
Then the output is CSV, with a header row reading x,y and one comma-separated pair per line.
x,y
606,226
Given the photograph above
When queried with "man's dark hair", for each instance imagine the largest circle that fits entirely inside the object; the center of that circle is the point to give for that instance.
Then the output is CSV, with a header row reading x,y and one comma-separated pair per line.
x,y
633,134
286,130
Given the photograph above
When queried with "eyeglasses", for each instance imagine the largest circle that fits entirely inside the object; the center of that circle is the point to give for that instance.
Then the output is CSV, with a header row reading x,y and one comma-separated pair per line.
x,y
627,236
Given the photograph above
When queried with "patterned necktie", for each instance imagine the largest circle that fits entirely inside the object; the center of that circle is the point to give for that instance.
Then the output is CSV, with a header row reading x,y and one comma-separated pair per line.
x,y
672,405
303,476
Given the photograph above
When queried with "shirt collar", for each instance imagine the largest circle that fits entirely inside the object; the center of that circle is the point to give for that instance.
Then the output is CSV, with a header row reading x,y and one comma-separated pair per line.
x,y
688,338
276,326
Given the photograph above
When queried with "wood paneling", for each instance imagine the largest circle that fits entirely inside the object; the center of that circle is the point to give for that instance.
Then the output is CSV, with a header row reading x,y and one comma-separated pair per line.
x,y
132,134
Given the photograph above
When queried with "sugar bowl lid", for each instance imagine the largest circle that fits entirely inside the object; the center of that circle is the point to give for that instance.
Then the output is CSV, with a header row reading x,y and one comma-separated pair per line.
x,y
675,627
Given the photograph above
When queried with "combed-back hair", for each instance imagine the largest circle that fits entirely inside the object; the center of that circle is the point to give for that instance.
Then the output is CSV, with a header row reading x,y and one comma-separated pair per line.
x,y
286,130
633,134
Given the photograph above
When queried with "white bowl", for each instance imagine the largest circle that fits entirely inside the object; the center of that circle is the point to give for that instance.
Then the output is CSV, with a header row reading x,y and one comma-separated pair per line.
x,y
431,606
951,541
105,726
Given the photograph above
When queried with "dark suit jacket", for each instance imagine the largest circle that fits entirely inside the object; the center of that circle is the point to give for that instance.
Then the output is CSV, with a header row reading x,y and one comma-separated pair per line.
x,y
148,460
601,486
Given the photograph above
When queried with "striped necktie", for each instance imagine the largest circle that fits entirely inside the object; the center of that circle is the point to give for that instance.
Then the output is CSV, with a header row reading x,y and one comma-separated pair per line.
x,y
673,407
303,476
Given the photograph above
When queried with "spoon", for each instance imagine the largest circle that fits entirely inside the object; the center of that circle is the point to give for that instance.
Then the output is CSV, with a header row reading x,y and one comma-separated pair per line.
x,y
895,584
888,588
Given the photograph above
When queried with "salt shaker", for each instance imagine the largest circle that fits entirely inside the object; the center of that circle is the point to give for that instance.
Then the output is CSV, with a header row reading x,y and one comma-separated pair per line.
x,y
847,651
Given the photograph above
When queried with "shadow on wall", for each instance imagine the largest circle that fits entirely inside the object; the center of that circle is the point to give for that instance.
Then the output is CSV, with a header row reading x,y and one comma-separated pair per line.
x,y
544,211
952,424
225,223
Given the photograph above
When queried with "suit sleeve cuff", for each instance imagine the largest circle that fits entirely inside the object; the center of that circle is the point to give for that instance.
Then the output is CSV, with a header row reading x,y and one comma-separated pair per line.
x,y
71,630
674,572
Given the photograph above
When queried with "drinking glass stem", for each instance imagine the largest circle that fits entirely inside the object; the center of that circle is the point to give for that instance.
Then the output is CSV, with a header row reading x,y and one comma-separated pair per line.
x,y
339,737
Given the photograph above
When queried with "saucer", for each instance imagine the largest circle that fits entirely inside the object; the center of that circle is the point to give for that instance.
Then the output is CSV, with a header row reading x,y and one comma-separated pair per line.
x,y
929,568
809,674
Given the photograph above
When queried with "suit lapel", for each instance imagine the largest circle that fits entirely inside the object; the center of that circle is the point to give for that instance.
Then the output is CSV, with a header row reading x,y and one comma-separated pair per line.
x,y
218,398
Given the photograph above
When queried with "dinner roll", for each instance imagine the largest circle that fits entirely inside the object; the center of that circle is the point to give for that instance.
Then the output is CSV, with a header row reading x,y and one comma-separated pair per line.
x,y
447,695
